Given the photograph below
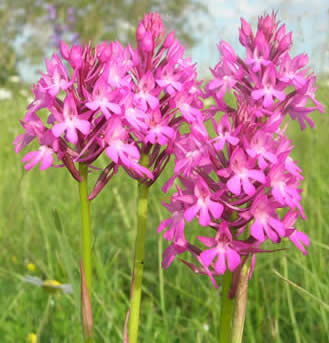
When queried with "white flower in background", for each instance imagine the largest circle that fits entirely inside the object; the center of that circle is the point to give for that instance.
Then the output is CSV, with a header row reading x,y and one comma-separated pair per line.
x,y
5,94
50,286
14,79
206,327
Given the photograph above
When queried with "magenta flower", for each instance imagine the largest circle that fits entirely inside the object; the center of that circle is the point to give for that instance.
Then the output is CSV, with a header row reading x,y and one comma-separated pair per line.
x,y
69,121
224,134
239,179
300,239
262,146
144,96
103,99
269,90
168,79
222,249
202,204
57,77
241,167
260,56
145,93
44,155
266,224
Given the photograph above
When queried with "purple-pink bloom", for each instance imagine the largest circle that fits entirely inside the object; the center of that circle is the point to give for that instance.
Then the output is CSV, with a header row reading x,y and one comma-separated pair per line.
x,y
103,99
69,121
224,133
269,90
203,205
222,249
243,171
267,223
300,239
239,180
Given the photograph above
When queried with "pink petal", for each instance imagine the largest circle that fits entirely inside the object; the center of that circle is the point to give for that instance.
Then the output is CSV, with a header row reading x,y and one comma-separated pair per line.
x,y
257,175
233,259
29,156
191,212
208,256
164,224
234,185
233,140
273,236
257,94
58,129
268,100
277,225
248,187
220,265
216,209
257,231
152,101
112,154
93,105
207,241
204,218
279,94
83,126
298,237
72,135
114,107
46,161
33,157
214,84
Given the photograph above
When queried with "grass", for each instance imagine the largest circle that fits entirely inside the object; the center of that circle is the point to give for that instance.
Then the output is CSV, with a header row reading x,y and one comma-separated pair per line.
x,y
40,223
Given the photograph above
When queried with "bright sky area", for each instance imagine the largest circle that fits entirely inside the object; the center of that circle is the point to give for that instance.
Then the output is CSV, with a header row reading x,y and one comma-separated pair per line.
x,y
308,19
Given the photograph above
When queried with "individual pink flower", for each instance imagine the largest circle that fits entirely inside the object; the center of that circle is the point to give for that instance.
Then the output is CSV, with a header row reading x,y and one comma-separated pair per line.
x,y
300,239
144,96
203,205
222,249
269,90
169,80
262,146
267,223
70,122
57,77
243,171
224,134
260,56
103,99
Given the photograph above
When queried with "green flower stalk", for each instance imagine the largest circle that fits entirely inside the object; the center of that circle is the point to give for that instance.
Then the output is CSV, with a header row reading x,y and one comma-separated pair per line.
x,y
227,307
137,277
86,262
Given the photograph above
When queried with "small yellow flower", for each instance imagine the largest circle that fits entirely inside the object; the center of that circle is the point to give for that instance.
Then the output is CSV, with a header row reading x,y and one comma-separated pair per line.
x,y
32,338
31,267
51,286
14,259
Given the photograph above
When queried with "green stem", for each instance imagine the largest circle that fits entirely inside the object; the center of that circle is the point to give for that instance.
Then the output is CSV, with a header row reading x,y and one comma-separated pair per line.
x,y
86,247
137,278
240,304
226,313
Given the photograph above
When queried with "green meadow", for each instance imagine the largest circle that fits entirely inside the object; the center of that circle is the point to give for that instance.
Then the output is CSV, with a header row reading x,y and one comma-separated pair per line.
x,y
40,225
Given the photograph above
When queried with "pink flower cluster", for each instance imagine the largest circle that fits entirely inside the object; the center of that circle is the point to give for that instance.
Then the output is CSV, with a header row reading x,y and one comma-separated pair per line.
x,y
241,181
123,101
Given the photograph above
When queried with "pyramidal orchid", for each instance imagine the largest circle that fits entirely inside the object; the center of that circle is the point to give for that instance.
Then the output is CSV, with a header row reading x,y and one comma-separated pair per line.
x,y
127,104
241,182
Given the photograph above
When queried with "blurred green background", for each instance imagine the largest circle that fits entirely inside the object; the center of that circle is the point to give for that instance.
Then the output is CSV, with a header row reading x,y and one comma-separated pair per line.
x,y
40,222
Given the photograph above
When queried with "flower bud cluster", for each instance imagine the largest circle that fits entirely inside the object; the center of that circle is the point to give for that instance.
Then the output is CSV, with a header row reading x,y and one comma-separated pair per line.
x,y
241,182
122,101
